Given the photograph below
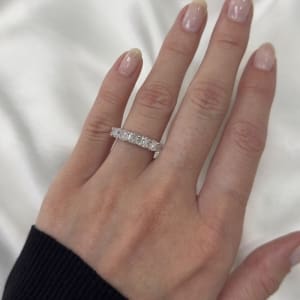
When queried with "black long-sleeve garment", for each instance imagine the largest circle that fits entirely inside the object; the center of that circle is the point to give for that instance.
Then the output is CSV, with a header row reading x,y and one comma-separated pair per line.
x,y
47,270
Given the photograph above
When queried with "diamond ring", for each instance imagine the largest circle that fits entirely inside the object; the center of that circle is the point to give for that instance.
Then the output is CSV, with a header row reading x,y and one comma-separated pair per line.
x,y
136,139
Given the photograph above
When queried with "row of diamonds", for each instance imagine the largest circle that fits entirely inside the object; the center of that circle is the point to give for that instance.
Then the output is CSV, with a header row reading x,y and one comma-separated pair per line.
x,y
137,139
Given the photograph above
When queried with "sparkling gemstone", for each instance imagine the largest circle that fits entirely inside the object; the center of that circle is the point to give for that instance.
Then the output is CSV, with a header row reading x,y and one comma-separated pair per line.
x,y
135,138
131,137
114,132
124,136
138,139
153,145
145,142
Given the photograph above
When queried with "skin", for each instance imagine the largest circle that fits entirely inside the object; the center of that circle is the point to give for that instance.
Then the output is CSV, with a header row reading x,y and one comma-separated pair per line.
x,y
138,221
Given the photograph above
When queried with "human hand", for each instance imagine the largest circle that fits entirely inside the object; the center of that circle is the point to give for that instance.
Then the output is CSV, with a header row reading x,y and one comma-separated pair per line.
x,y
137,220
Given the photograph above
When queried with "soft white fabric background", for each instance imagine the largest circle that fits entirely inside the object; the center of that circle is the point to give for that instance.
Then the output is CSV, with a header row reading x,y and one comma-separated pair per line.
x,y
53,56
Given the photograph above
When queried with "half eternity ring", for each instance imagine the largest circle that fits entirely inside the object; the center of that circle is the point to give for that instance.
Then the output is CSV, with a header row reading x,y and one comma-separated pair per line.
x,y
136,139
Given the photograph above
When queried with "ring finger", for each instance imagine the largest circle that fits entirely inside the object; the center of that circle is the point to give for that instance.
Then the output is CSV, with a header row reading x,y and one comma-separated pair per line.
x,y
157,97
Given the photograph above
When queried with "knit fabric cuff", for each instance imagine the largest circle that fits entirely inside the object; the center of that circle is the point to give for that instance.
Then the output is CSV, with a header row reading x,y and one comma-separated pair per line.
x,y
46,269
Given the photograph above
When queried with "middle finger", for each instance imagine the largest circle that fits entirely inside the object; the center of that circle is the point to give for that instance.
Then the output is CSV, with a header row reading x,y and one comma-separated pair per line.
x,y
207,99
157,97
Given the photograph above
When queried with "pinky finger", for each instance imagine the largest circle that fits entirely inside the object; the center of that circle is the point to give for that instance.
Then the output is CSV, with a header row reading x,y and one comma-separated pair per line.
x,y
262,272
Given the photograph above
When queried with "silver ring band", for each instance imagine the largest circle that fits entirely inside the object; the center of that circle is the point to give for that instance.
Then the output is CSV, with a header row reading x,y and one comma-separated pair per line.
x,y
136,139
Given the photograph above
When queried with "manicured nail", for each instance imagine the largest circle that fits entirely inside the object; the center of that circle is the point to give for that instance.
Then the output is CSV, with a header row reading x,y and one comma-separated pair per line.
x,y
265,57
130,62
194,16
238,10
295,257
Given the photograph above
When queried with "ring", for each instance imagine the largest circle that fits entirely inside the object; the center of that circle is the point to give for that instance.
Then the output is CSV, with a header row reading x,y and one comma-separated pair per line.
x,y
136,139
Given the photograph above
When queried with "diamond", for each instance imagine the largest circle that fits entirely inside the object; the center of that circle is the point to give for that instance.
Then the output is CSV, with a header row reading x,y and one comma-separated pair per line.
x,y
138,139
153,145
145,142
118,132
131,137
124,135
114,132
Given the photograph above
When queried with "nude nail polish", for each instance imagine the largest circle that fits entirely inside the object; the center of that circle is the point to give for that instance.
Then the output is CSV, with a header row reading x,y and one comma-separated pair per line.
x,y
130,62
265,57
194,16
295,257
238,10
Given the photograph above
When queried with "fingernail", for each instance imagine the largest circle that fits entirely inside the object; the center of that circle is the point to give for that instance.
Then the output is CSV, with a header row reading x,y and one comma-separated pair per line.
x,y
130,62
238,10
295,257
194,16
265,57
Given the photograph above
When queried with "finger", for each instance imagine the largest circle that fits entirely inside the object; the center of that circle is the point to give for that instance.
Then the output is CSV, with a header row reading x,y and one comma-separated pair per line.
x,y
207,98
262,272
229,179
157,97
107,111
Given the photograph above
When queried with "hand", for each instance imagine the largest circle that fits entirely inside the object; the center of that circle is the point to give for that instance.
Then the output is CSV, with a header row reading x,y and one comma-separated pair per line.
x,y
137,220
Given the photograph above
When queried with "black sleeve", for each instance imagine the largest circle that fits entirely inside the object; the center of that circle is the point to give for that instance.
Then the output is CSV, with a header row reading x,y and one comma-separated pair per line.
x,y
48,270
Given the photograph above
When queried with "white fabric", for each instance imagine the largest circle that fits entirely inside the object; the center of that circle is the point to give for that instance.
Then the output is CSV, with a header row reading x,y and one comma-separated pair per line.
x,y
53,56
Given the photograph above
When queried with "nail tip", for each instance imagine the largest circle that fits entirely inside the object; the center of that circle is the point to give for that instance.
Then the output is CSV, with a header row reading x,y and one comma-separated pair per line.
x,y
136,51
130,62
268,45
201,2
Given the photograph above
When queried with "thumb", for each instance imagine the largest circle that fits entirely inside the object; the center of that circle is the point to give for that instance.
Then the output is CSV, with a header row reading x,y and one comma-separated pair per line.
x,y
262,272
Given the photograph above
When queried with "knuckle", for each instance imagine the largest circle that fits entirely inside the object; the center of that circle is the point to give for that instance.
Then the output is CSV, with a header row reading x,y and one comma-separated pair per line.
x,y
248,137
100,207
110,193
230,42
162,191
109,96
147,219
215,238
156,97
255,87
160,196
236,197
269,284
177,47
212,248
267,280
97,128
209,99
